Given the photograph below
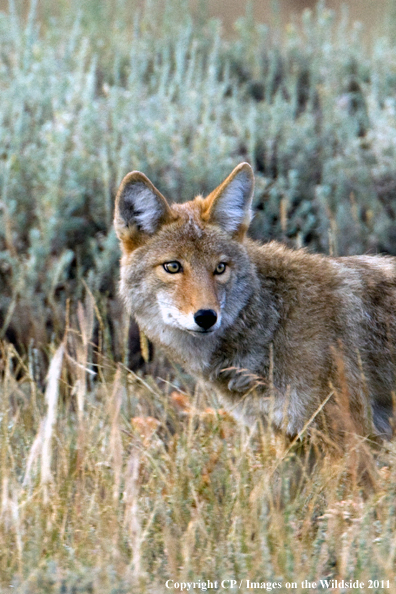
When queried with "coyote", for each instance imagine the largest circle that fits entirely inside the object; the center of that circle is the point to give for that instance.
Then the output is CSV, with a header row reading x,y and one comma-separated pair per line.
x,y
281,335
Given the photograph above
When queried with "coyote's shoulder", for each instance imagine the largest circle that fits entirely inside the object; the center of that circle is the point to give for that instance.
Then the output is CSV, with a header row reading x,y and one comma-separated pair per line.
x,y
276,332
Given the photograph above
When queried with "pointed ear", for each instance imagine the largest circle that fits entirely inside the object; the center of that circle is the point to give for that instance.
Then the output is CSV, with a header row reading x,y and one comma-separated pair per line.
x,y
140,210
229,205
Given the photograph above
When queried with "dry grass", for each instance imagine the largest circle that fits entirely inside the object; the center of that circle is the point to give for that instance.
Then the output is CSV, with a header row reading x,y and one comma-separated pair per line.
x,y
114,482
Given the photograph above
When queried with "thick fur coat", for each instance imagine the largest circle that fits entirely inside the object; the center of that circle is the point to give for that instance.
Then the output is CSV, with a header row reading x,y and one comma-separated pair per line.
x,y
275,332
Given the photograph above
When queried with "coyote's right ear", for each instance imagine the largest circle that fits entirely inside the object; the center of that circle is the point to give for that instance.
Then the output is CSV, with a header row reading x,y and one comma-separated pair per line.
x,y
140,209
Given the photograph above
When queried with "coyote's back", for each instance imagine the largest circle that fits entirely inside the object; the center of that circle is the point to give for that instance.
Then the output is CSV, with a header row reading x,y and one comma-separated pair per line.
x,y
280,334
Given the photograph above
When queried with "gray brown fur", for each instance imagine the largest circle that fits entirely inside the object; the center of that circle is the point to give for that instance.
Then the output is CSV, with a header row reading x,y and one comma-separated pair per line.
x,y
295,327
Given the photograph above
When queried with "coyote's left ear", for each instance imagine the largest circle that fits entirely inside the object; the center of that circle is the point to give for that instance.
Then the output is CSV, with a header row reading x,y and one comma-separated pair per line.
x,y
229,205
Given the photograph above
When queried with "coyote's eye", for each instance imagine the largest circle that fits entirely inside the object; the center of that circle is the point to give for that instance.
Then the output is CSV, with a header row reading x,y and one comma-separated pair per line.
x,y
220,268
172,267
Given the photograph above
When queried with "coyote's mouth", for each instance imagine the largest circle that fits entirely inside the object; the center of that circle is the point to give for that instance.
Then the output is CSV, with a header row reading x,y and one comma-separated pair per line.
x,y
200,332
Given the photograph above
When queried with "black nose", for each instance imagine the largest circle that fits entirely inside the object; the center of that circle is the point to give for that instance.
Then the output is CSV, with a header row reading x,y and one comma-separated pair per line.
x,y
205,318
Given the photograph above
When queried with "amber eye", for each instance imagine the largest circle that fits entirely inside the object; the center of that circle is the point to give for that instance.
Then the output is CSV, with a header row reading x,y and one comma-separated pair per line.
x,y
172,267
220,268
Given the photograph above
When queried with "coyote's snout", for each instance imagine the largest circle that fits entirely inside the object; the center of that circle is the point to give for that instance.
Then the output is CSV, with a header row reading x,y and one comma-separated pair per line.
x,y
276,332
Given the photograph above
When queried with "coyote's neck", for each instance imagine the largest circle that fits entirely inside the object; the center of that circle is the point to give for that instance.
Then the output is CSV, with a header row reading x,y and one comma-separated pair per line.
x,y
235,367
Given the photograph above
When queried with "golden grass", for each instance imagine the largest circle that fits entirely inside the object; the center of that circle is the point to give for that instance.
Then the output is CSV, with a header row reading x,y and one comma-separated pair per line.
x,y
115,482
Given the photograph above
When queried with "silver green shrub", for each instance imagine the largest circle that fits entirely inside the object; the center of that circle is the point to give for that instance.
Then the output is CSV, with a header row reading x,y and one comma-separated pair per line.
x,y
92,91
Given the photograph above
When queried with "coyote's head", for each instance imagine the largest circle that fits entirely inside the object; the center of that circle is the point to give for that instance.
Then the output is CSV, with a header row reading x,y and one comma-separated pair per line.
x,y
184,266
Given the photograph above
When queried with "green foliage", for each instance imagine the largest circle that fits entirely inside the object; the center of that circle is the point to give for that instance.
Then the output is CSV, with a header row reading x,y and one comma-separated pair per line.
x,y
91,91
